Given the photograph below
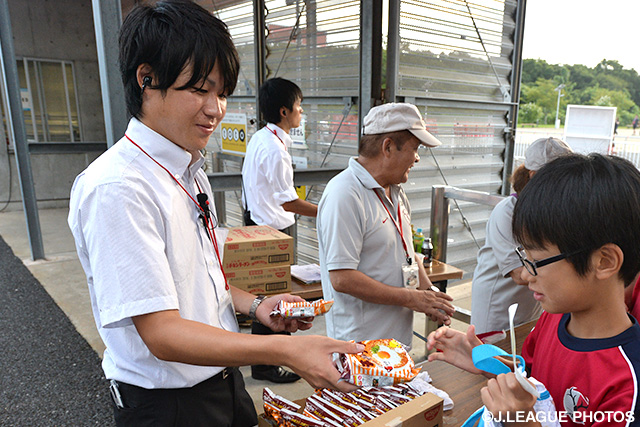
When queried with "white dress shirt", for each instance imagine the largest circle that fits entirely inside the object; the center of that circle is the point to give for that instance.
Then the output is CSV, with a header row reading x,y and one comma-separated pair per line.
x,y
267,178
144,249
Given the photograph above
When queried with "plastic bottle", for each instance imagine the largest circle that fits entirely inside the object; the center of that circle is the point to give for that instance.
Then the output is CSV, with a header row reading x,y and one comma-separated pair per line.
x,y
427,251
417,240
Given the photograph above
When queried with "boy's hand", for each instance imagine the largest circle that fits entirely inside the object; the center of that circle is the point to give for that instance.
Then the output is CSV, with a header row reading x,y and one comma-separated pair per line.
x,y
504,394
454,347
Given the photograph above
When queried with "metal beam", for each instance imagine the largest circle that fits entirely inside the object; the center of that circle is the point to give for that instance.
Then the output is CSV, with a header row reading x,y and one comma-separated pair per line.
x,y
370,56
259,49
516,74
23,161
67,147
393,51
107,20
232,181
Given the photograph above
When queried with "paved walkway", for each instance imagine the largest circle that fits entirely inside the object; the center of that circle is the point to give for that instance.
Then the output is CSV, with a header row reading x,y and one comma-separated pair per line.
x,y
50,374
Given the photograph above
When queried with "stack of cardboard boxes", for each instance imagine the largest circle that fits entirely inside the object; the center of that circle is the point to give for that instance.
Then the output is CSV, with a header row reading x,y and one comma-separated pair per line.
x,y
258,259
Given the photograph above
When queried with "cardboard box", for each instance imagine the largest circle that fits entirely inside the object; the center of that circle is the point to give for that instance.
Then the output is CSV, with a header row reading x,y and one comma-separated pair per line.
x,y
256,246
423,411
264,281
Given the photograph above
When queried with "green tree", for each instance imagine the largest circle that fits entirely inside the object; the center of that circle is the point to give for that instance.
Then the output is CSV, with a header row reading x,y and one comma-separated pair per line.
x,y
530,113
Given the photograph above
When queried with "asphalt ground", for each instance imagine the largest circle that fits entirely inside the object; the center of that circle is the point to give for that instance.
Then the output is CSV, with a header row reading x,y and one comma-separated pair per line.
x,y
49,375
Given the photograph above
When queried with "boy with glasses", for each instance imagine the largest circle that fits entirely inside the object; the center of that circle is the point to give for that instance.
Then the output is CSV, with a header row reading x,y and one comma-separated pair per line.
x,y
578,222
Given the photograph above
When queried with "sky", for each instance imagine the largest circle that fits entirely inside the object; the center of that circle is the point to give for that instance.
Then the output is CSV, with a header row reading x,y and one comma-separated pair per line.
x,y
583,31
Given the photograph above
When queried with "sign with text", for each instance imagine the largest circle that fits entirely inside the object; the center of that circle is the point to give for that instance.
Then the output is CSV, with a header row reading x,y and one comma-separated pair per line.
x,y
233,133
297,135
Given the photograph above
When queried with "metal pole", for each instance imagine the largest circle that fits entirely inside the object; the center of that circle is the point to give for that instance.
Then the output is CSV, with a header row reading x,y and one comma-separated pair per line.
x,y
559,89
259,50
439,222
23,160
107,20
370,56
516,75
393,51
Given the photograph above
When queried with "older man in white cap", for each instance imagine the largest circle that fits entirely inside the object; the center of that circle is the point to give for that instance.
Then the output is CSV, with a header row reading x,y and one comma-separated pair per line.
x,y
368,264
496,281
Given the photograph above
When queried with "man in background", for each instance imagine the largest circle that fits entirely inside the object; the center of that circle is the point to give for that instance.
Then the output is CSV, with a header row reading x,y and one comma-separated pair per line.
x,y
267,180
364,234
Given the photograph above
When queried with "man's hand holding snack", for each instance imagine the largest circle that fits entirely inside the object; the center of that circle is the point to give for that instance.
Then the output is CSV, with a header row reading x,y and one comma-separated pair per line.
x,y
277,323
311,357
436,305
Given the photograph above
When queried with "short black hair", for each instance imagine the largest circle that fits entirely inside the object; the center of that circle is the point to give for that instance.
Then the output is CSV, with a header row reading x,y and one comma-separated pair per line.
x,y
276,93
582,202
168,36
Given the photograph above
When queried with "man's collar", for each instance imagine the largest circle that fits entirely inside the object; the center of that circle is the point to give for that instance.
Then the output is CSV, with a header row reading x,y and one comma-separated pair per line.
x,y
284,137
363,175
168,154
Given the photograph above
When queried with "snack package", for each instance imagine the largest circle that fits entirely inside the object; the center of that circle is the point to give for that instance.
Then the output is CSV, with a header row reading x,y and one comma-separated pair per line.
x,y
273,405
302,309
383,362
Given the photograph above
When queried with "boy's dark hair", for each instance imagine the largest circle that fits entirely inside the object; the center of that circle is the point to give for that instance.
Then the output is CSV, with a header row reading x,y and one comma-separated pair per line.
x,y
583,202
371,145
168,36
276,93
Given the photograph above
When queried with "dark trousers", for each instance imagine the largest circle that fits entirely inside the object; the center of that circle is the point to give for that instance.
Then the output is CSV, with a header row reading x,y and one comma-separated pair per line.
x,y
258,328
221,400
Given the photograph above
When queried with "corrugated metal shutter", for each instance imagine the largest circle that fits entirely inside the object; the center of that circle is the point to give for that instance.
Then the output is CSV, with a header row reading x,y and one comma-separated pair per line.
x,y
444,69
322,56
441,66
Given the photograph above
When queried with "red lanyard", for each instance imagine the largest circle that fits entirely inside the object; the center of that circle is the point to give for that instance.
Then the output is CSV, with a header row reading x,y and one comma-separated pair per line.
x,y
398,228
273,131
207,219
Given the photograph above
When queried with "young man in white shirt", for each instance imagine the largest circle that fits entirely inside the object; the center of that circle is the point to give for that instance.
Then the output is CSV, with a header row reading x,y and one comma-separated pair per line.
x,y
151,254
268,190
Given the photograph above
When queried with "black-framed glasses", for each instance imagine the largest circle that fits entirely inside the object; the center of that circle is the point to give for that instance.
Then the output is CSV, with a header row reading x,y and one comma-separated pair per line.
x,y
532,266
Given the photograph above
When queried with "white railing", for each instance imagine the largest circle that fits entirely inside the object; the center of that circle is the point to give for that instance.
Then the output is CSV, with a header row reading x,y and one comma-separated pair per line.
x,y
625,146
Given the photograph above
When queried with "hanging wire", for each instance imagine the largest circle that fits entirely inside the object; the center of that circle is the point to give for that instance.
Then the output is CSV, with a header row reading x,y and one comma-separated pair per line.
x,y
215,9
465,221
292,36
493,68
345,113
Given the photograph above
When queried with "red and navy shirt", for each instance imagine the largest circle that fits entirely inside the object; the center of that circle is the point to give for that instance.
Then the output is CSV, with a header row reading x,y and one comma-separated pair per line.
x,y
595,381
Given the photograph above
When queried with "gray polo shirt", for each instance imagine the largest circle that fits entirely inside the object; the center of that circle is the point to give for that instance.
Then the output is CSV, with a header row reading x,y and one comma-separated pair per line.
x,y
355,232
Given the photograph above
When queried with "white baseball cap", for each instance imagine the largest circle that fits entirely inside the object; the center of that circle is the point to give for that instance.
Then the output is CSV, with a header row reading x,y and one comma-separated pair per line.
x,y
543,150
397,116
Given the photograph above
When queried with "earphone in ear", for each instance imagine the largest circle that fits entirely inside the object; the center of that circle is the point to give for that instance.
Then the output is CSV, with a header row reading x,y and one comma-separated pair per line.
x,y
146,81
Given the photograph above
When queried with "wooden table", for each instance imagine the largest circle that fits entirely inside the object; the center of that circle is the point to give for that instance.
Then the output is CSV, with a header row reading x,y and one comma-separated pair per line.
x,y
463,387
438,272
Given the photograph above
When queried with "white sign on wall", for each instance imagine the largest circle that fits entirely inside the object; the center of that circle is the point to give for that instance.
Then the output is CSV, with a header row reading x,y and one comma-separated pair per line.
x,y
298,135
25,97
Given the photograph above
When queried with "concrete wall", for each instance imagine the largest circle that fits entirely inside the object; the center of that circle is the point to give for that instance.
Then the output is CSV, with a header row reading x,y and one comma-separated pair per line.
x,y
60,30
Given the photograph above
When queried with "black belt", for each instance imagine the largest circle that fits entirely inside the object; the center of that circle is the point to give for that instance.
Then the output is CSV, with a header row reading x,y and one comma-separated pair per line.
x,y
120,391
220,376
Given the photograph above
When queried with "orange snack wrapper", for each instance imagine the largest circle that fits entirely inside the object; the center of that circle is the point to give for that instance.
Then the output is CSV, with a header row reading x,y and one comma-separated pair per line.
x,y
301,309
383,362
